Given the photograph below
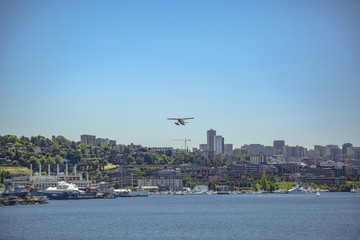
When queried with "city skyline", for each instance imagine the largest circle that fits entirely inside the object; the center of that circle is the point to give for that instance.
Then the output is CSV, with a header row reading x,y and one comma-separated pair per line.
x,y
253,71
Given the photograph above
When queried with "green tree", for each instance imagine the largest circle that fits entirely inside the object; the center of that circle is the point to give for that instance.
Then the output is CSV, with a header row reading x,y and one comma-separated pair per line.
x,y
116,185
264,183
187,182
257,187
212,185
126,151
63,142
34,161
12,139
106,148
168,153
148,159
99,177
272,187
139,160
73,155
30,148
51,161
4,175
43,142
113,153
42,160
57,159
102,163
55,148
163,159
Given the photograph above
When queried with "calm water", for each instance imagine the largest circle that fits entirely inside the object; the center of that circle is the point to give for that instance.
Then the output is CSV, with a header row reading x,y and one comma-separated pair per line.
x,y
273,216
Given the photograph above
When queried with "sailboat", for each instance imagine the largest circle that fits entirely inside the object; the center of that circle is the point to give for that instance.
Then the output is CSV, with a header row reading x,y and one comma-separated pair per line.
x,y
318,193
354,190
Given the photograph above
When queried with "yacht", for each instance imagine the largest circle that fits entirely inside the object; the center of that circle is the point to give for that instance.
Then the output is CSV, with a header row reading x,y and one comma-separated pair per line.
x,y
129,193
296,190
63,190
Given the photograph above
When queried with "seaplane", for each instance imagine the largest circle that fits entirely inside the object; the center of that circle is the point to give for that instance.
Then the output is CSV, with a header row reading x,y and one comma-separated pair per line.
x,y
180,121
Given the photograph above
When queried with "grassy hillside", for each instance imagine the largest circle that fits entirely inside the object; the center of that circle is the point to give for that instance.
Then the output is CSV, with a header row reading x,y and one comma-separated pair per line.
x,y
110,166
17,170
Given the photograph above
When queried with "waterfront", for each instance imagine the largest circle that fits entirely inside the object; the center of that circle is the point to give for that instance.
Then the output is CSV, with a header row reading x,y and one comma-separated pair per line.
x,y
243,216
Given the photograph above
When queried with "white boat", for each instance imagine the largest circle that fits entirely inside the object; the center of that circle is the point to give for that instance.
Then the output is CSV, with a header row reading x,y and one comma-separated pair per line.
x,y
354,190
129,193
296,190
63,190
318,193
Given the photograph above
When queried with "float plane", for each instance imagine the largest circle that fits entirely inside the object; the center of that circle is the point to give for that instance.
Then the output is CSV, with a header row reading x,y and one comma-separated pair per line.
x,y
180,121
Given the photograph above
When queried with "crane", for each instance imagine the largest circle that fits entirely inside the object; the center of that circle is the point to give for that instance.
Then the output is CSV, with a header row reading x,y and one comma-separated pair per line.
x,y
185,140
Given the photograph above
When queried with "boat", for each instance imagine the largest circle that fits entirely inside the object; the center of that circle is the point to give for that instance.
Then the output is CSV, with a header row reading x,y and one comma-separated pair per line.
x,y
88,192
139,193
318,193
87,195
296,190
281,191
63,190
223,192
129,193
354,190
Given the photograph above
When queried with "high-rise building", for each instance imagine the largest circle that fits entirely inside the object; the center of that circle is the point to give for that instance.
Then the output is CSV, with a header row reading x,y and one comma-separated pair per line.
x,y
228,148
101,141
219,144
333,152
240,151
254,148
294,151
278,147
319,151
356,153
92,140
269,151
257,159
210,139
344,150
88,139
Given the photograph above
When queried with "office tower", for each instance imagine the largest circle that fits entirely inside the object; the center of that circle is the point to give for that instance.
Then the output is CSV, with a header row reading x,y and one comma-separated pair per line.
x,y
319,151
333,152
88,139
219,144
345,146
228,148
210,139
254,148
278,146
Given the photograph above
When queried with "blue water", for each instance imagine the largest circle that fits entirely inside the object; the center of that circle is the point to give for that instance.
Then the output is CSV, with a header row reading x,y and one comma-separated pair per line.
x,y
273,216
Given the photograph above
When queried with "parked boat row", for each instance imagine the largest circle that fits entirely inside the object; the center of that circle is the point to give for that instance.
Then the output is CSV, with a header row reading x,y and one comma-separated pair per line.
x,y
64,190
15,200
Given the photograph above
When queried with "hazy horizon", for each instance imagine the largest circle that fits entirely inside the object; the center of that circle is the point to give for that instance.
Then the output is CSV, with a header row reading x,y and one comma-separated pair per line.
x,y
254,71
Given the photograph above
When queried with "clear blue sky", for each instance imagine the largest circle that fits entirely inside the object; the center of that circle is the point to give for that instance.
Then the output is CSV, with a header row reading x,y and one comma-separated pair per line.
x,y
254,71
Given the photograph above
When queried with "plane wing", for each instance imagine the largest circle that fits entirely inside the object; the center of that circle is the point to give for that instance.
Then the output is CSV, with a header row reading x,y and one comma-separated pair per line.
x,y
180,118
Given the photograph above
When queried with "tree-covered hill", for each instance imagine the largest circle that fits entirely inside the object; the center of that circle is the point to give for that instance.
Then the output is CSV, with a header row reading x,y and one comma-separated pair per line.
x,y
24,151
